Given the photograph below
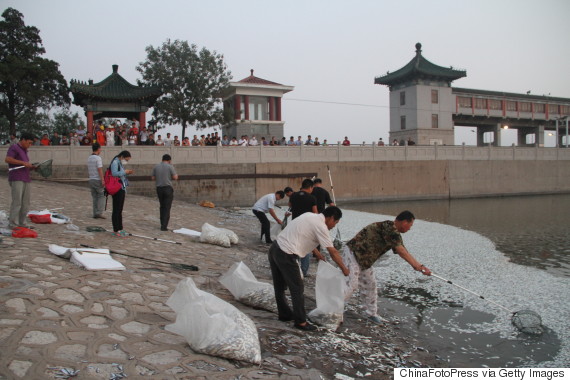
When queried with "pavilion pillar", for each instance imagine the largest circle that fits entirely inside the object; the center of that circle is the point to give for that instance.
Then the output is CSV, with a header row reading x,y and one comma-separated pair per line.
x,y
89,123
278,108
497,133
271,108
142,120
246,106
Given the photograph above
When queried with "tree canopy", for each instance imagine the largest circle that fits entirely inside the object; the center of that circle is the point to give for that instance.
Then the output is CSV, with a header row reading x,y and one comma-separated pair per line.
x,y
27,81
191,81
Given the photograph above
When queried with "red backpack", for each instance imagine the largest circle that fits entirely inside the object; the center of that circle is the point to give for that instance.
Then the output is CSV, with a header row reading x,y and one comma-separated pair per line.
x,y
112,184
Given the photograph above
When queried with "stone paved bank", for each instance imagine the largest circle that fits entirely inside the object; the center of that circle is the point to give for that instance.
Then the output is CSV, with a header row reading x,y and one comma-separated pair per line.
x,y
54,315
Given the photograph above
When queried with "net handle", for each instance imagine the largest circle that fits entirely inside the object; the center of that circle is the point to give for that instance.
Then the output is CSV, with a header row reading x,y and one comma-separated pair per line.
x,y
472,292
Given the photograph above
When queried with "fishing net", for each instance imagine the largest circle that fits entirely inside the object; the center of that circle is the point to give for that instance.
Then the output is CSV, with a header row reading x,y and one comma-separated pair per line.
x,y
44,168
528,322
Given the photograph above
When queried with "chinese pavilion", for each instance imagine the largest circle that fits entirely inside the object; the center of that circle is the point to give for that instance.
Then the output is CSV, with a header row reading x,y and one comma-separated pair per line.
x,y
421,101
256,107
113,97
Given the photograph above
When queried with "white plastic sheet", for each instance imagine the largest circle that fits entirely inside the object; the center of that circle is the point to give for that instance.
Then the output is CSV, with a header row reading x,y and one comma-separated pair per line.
x,y
211,325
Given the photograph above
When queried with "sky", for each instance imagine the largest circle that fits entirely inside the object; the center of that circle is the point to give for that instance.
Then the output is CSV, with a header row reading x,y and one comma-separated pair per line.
x,y
329,50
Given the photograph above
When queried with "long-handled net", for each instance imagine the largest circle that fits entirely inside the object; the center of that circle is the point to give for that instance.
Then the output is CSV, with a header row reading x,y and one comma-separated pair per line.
x,y
526,321
44,168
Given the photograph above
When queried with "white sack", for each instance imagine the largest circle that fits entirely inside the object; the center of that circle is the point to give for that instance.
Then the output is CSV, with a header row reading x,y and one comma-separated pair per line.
x,y
91,259
187,231
243,285
211,325
329,289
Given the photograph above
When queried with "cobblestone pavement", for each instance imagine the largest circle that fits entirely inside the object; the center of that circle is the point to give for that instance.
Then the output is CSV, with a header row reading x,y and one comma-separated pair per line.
x,y
55,315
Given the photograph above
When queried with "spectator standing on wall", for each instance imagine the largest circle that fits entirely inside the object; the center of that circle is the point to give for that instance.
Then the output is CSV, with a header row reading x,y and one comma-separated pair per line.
x,y
150,140
309,140
55,139
380,142
159,141
164,173
96,181
346,141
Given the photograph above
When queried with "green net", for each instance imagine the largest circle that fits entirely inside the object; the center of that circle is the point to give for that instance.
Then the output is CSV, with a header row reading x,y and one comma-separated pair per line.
x,y
44,168
528,322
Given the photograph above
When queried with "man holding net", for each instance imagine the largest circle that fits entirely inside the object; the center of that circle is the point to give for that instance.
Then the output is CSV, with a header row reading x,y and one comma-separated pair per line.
x,y
19,179
365,248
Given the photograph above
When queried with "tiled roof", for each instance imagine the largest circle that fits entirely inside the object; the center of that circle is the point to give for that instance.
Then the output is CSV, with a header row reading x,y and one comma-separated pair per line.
x,y
255,80
420,68
115,88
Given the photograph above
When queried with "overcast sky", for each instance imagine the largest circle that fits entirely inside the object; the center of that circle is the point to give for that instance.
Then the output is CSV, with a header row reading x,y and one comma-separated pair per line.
x,y
329,50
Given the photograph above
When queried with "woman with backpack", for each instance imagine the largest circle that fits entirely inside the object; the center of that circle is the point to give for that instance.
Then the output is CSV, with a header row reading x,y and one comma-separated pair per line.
x,y
118,170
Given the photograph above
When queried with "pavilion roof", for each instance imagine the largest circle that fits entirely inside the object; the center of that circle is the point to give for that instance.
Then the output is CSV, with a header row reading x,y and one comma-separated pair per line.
x,y
255,80
420,68
113,88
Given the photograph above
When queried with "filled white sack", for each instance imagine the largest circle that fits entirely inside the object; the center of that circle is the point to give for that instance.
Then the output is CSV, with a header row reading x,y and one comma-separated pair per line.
x,y
218,236
213,326
245,288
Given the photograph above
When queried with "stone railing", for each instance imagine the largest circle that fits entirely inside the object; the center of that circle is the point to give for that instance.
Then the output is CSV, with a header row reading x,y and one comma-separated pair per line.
x,y
70,155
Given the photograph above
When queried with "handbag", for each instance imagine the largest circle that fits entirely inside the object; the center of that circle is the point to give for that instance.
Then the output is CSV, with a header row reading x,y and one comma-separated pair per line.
x,y
112,184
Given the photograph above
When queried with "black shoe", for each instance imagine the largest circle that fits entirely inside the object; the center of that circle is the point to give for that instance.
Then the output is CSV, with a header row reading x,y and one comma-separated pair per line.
x,y
164,229
285,319
305,327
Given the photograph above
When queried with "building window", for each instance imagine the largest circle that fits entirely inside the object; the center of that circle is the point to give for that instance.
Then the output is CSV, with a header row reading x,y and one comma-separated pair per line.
x,y
402,122
565,110
495,104
434,120
258,108
525,107
480,103
539,107
464,102
402,98
434,97
553,108
511,106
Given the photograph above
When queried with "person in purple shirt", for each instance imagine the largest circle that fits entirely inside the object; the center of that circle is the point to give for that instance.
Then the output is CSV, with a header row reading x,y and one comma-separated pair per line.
x,y
19,179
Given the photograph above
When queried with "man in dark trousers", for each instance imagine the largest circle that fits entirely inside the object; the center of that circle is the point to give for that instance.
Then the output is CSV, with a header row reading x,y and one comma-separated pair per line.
x,y
321,195
163,174
301,202
301,236
264,205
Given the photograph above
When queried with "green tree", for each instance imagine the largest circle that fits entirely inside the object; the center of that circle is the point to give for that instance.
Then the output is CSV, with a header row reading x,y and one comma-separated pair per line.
x,y
27,81
65,122
190,80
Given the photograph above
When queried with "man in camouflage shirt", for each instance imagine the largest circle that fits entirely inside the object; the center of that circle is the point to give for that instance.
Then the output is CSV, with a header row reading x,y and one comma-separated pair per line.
x,y
362,251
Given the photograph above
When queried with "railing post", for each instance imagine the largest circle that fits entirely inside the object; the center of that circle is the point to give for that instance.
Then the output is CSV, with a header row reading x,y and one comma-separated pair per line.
x,y
435,150
463,151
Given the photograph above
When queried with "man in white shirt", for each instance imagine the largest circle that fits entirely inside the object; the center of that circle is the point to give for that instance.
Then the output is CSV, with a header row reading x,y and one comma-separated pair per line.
x,y
302,235
265,205
253,141
168,140
96,181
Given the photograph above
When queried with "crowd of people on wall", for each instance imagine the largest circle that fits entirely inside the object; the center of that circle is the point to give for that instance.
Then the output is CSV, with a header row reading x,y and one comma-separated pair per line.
x,y
121,134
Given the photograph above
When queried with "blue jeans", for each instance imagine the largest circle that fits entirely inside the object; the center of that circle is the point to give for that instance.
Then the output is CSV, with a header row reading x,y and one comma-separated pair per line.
x,y
305,261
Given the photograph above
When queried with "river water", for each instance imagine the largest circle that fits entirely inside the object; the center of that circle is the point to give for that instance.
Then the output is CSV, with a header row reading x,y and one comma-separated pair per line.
x,y
514,251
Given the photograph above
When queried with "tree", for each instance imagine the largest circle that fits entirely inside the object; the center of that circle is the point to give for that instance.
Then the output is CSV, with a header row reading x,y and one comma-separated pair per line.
x,y
27,81
191,82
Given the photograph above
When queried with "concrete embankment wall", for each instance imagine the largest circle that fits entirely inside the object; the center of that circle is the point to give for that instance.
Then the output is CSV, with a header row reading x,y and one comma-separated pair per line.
x,y
238,177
